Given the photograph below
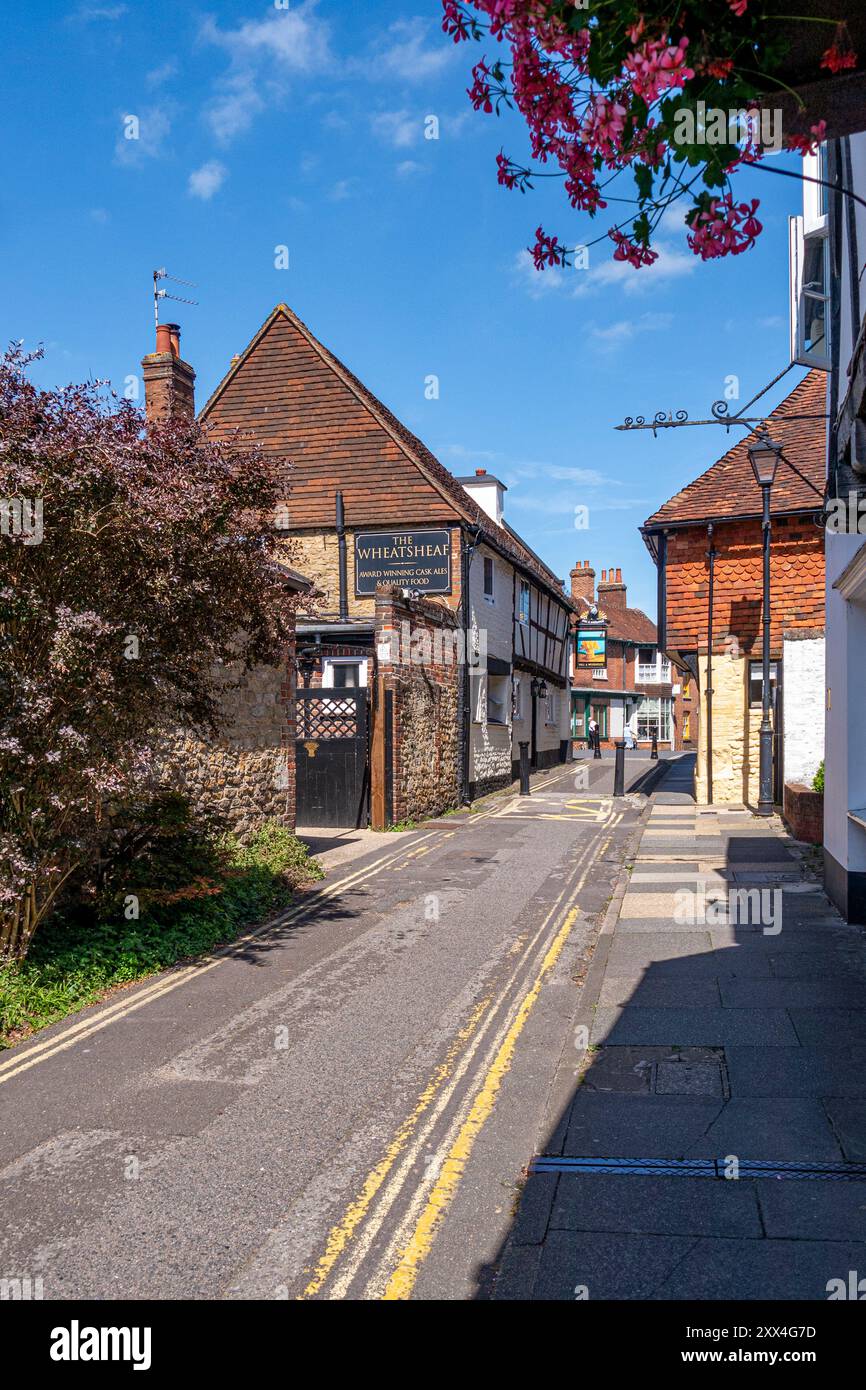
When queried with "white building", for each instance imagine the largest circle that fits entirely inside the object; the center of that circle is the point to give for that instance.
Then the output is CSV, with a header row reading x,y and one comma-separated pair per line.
x,y
521,617
828,330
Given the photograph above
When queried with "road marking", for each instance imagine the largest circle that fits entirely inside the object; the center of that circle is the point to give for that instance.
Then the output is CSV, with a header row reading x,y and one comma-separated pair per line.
x,y
343,1234
340,1235
444,1189
21,1061
403,1279
84,1028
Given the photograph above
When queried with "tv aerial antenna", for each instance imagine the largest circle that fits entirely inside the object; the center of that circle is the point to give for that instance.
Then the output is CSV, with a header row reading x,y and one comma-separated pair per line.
x,y
159,293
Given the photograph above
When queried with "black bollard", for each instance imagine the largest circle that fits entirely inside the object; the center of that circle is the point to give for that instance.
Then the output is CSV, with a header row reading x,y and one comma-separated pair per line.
x,y
596,744
654,752
619,770
524,767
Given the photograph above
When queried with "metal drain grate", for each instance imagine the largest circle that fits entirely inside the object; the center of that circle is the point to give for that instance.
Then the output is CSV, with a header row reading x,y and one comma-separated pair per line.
x,y
700,1168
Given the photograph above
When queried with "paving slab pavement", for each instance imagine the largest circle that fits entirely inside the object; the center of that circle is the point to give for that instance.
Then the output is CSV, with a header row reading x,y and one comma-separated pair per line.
x,y
727,1036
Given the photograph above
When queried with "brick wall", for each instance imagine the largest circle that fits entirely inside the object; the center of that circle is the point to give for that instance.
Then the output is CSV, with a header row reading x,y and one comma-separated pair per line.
x,y
796,581
425,752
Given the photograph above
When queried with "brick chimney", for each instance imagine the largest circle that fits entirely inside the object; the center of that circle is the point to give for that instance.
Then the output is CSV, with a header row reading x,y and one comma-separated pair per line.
x,y
583,581
612,591
169,382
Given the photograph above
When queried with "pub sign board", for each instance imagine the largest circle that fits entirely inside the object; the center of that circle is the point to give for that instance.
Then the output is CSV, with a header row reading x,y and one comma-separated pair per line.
x,y
591,644
418,560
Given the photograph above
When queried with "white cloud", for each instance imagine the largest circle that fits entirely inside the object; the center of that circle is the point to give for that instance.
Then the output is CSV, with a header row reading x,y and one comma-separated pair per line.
x,y
296,38
590,477
264,54
235,106
611,336
87,14
142,134
603,272
342,189
208,180
405,52
407,168
397,128
163,73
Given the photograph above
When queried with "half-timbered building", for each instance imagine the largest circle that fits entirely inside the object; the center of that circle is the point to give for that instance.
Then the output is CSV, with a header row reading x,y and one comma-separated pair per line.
x,y
370,510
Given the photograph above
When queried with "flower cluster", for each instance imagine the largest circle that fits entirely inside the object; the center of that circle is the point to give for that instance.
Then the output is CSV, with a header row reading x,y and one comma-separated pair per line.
x,y
657,66
723,228
601,99
633,252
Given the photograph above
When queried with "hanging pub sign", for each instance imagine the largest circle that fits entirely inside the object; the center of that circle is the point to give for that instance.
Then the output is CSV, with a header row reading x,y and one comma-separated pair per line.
x,y
419,560
591,648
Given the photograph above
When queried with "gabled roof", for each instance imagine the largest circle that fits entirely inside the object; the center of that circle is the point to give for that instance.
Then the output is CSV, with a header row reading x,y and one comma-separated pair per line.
x,y
728,488
287,384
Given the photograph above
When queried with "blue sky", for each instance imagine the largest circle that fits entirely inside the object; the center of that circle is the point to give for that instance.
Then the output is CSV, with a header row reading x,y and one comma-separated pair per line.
x,y
260,127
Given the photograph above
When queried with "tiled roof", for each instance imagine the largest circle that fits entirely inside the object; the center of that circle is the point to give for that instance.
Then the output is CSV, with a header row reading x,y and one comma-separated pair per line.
x,y
728,488
505,540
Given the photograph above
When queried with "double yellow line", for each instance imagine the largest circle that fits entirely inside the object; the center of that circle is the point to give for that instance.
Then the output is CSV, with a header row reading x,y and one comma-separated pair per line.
x,y
445,1079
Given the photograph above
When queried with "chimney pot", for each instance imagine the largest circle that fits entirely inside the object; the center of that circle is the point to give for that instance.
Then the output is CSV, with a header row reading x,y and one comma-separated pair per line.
x,y
169,382
481,472
618,575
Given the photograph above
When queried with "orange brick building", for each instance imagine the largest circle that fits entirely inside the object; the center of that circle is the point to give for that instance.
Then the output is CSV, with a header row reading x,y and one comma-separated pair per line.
x,y
707,544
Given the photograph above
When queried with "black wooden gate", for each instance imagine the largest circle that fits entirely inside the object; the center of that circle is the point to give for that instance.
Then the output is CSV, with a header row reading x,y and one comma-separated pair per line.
x,y
332,782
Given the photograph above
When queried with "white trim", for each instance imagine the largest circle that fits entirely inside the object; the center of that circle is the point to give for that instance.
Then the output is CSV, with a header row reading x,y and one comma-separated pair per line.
x,y
852,581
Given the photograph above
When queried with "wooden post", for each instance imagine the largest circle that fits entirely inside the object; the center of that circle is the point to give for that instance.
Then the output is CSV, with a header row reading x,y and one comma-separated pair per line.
x,y
377,757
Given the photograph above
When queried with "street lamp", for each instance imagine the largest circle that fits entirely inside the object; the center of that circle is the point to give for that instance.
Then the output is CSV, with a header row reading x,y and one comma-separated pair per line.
x,y
764,458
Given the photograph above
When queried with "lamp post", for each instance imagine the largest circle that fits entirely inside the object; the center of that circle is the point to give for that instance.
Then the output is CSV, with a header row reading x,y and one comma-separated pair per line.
x,y
764,458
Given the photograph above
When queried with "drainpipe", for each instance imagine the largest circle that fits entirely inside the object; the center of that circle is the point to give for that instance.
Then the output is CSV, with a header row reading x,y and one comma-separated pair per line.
x,y
467,549
711,557
341,547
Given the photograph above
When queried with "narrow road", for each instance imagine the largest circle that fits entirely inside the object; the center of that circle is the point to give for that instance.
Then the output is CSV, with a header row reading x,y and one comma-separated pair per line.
x,y
338,1107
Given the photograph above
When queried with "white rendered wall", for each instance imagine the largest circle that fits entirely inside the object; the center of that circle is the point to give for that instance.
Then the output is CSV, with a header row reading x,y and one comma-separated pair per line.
x,y
803,700
845,747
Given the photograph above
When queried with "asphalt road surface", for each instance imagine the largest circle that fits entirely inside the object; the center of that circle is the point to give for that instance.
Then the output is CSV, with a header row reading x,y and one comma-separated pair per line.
x,y
338,1107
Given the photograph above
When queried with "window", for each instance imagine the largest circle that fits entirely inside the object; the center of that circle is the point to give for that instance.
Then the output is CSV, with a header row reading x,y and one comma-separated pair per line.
x,y
578,716
523,602
665,669
646,664
551,707
488,578
810,294
687,725
344,673
654,718
516,699
599,714
756,683
497,699
599,673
